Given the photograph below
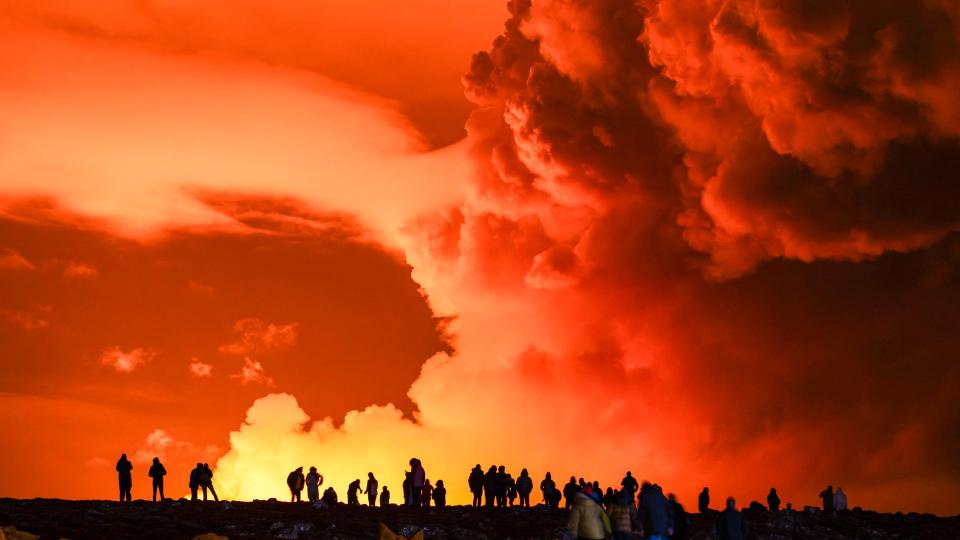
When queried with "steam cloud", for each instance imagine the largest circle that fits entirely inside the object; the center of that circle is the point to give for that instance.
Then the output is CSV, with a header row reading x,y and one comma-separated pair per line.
x,y
709,241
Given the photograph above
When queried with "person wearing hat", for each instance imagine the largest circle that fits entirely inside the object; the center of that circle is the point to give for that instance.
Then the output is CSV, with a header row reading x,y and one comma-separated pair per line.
x,y
587,519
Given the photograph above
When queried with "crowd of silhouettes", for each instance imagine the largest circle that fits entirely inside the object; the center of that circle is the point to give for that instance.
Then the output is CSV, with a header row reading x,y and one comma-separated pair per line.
x,y
594,513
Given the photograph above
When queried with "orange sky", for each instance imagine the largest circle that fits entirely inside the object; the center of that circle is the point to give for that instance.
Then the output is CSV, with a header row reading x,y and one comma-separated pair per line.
x,y
711,242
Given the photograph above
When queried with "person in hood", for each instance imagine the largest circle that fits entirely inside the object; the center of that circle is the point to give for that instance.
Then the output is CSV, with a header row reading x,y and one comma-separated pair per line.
x,y
730,524
681,526
313,481
329,497
426,494
654,513
195,480
587,519
703,501
385,497
548,487
125,478
157,472
296,481
570,491
826,496
524,487
773,500
623,515
839,500
475,481
630,485
372,486
353,493
206,482
490,485
440,494
418,477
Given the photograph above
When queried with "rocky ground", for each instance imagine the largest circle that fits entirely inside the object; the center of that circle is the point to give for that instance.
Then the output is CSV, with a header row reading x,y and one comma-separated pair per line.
x,y
77,520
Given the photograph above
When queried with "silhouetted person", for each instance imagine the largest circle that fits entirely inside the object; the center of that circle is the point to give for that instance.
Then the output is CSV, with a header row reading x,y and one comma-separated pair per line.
x,y
157,472
827,497
372,486
730,524
406,487
547,487
511,490
490,485
703,502
630,485
313,481
195,480
524,487
296,481
623,515
654,513
426,493
501,487
475,481
385,497
206,482
608,498
839,500
353,493
773,500
570,491
587,520
329,497
681,525
418,477
125,478
440,494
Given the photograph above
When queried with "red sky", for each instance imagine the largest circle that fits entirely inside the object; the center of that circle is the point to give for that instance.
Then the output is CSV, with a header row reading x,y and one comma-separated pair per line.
x,y
711,242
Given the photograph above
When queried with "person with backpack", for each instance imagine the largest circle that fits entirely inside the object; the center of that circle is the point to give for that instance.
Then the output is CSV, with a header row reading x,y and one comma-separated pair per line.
x,y
587,519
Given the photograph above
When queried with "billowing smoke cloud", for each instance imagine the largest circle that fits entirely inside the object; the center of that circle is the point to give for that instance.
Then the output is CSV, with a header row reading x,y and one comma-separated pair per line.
x,y
709,241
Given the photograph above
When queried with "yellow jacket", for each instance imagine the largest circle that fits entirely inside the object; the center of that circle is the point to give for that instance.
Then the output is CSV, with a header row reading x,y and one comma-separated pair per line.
x,y
587,519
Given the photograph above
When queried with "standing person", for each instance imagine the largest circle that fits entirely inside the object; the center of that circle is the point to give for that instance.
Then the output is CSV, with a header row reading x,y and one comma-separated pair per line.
x,y
157,472
440,494
839,500
630,484
407,475
426,494
195,480
680,523
353,493
475,481
511,489
385,497
587,520
773,500
206,482
501,487
703,502
124,467
570,491
295,481
371,491
524,487
547,486
730,525
827,497
313,481
654,513
623,515
418,477
490,485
